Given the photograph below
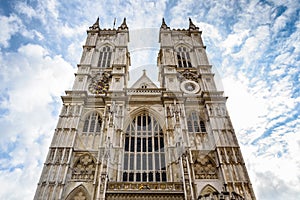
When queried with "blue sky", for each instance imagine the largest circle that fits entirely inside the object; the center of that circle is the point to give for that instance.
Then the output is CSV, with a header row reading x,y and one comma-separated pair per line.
x,y
252,45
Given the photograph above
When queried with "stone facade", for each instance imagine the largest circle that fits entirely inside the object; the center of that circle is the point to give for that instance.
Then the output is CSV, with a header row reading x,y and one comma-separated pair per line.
x,y
175,141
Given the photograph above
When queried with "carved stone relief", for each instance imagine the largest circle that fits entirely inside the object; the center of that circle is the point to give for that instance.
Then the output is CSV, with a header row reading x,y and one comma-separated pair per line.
x,y
79,193
204,166
100,83
188,75
84,168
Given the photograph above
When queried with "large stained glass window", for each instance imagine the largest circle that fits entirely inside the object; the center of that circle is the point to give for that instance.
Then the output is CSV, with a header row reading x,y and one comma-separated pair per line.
x,y
144,153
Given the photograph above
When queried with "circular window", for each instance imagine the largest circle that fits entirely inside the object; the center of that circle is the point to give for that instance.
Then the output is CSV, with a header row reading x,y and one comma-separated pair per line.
x,y
189,87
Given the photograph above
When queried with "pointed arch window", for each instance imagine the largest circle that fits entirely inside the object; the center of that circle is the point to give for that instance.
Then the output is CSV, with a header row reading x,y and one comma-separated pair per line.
x,y
144,153
105,57
92,123
195,124
183,58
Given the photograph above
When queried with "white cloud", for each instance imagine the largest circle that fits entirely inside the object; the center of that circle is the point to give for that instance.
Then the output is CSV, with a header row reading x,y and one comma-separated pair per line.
x,y
23,8
245,109
234,40
9,26
43,10
212,30
69,32
276,171
33,83
280,23
259,78
51,5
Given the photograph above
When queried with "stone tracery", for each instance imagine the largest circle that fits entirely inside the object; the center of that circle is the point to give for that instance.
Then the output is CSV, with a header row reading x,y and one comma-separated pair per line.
x,y
204,166
84,168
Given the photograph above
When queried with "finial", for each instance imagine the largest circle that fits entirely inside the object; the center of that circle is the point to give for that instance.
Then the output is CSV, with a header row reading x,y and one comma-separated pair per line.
x,y
95,25
124,25
144,72
192,25
163,21
163,24
114,23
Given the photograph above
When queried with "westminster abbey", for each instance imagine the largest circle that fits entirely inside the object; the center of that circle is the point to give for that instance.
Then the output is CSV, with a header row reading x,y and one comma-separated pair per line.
x,y
174,141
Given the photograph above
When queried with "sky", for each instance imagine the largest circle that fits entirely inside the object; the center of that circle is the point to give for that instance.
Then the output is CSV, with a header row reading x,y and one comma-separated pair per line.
x,y
252,45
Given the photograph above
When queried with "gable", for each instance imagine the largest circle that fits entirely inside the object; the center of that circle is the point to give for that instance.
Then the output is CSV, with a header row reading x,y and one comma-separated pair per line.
x,y
144,82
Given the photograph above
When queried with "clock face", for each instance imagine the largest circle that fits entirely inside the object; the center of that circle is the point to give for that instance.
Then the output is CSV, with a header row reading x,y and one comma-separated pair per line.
x,y
190,87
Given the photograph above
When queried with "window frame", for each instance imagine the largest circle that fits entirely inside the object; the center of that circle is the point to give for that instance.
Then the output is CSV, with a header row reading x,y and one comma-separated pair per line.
x,y
183,57
195,124
105,57
92,123
149,161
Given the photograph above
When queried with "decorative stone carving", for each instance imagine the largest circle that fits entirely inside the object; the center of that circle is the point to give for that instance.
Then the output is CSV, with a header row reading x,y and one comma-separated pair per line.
x,y
100,83
79,193
80,196
204,166
84,168
190,87
188,75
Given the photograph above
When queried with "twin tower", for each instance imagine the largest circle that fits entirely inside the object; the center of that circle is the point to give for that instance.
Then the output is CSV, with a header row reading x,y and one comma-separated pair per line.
x,y
175,141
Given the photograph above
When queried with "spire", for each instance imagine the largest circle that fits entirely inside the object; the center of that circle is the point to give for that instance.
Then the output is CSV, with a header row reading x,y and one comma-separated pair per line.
x,y
192,25
123,25
164,25
95,25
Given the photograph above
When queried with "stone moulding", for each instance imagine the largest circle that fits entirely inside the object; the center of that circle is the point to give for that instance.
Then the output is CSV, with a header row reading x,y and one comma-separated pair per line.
x,y
144,187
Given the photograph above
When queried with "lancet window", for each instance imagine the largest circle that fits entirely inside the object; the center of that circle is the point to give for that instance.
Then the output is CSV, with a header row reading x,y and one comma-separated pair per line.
x,y
105,57
144,155
92,123
195,124
183,58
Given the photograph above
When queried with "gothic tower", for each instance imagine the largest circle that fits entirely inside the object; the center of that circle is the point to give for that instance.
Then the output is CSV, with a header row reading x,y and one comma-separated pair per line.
x,y
175,141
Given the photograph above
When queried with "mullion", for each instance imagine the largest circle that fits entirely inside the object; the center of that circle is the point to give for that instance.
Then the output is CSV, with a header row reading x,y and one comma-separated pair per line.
x,y
104,59
100,59
144,153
